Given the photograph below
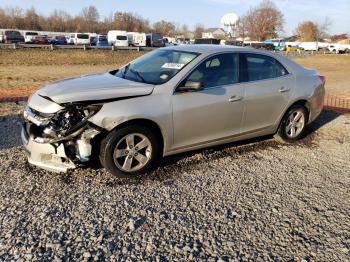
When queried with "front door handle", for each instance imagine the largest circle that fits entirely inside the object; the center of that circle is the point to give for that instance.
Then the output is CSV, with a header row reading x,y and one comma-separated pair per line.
x,y
235,98
283,89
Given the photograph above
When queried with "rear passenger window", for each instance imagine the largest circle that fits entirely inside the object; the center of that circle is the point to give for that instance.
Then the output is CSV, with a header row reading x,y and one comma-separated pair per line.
x,y
260,67
218,70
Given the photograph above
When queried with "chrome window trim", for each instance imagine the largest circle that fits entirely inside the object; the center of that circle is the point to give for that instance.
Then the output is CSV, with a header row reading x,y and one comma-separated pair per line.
x,y
230,52
288,73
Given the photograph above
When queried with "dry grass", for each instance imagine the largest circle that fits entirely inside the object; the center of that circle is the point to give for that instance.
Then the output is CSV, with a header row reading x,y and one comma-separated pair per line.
x,y
39,57
23,71
336,68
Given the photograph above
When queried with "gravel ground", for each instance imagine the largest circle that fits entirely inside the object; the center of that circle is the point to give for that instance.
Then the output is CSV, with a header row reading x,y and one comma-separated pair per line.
x,y
257,200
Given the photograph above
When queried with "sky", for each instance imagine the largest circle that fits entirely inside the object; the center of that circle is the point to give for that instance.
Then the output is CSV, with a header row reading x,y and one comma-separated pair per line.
x,y
206,12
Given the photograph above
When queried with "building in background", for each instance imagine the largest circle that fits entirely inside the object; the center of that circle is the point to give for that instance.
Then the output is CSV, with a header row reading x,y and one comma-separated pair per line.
x,y
218,33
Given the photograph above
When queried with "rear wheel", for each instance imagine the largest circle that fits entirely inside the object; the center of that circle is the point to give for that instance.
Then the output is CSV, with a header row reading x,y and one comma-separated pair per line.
x,y
130,151
293,124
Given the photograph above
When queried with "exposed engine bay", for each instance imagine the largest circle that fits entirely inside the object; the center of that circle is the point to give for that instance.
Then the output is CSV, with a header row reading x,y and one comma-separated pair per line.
x,y
68,128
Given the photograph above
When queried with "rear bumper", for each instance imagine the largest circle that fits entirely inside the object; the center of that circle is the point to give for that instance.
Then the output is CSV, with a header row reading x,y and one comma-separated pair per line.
x,y
46,156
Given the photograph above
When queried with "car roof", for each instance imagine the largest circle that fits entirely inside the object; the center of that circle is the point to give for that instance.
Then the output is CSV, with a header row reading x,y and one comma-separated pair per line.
x,y
207,49
213,49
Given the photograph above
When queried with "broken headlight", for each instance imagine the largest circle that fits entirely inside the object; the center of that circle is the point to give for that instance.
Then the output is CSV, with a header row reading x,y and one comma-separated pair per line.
x,y
65,124
70,120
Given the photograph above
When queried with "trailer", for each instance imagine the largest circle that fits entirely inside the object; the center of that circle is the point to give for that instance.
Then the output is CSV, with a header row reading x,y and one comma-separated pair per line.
x,y
313,46
117,38
136,39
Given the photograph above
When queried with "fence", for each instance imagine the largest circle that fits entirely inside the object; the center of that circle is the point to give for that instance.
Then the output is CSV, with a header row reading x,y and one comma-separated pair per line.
x,y
76,47
335,103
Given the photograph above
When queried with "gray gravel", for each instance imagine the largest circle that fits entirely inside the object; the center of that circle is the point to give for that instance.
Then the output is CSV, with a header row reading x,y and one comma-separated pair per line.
x,y
258,200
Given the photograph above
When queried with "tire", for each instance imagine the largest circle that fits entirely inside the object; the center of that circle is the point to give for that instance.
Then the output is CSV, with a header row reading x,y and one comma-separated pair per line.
x,y
285,132
122,158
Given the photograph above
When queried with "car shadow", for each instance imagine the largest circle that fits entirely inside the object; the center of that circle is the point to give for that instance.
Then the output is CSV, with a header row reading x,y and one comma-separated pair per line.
x,y
10,131
249,145
324,118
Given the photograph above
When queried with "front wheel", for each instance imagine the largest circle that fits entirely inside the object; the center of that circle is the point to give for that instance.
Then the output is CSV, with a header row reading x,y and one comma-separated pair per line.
x,y
130,151
293,124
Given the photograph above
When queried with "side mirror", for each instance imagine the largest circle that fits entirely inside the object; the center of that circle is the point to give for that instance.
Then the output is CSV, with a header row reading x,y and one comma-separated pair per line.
x,y
191,86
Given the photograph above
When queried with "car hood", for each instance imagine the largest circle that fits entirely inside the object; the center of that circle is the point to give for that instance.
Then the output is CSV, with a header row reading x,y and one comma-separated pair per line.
x,y
102,86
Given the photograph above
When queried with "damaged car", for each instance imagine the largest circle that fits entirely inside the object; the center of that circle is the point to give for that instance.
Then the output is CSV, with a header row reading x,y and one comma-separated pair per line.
x,y
168,101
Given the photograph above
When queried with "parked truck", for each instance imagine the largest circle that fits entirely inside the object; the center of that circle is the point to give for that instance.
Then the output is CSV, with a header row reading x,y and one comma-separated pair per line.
x,y
136,39
313,46
117,38
155,40
337,48
78,39
9,36
29,37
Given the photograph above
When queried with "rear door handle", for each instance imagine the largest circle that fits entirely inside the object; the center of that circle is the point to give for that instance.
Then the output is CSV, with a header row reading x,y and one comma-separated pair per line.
x,y
235,98
283,89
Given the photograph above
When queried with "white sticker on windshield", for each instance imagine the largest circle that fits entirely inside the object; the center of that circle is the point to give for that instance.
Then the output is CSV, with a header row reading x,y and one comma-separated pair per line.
x,y
176,66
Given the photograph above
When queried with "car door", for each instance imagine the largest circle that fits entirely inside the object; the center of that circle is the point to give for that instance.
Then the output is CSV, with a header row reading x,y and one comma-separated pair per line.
x,y
267,89
213,113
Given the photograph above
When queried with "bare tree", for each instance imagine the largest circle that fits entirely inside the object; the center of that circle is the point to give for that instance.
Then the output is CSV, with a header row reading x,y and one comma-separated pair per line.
x,y
323,28
165,28
90,18
130,22
4,19
59,21
15,17
184,30
32,19
263,21
198,30
307,31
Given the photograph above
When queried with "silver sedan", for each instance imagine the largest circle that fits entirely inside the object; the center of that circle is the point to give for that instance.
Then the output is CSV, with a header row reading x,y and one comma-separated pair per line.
x,y
168,101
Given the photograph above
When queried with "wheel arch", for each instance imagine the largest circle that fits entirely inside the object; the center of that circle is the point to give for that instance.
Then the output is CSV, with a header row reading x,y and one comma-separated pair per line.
x,y
302,102
148,124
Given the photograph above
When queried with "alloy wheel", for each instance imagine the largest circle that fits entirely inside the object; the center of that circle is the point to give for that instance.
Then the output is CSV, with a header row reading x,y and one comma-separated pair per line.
x,y
295,123
132,152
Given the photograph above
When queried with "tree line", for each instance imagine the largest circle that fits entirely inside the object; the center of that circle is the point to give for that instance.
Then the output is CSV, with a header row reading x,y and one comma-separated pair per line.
x,y
88,20
261,22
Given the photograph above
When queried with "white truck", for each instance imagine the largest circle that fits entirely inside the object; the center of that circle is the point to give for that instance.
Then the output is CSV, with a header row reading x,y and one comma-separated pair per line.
x,y
313,46
29,37
337,48
117,38
78,39
136,39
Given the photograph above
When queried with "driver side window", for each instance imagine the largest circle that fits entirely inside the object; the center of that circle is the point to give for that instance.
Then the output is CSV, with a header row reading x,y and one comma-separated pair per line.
x,y
217,70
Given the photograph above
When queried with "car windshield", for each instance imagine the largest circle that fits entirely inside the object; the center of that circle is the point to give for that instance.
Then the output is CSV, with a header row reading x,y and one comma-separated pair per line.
x,y
102,38
31,33
83,36
156,67
60,38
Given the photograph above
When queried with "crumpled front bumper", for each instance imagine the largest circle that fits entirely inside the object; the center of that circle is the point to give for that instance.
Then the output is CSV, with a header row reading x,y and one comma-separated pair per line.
x,y
46,156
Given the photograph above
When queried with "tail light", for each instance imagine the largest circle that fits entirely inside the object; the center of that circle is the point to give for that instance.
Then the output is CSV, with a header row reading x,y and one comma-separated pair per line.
x,y
323,79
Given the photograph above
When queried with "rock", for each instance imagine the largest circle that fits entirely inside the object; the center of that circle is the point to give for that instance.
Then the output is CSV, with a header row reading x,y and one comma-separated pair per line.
x,y
86,254
131,225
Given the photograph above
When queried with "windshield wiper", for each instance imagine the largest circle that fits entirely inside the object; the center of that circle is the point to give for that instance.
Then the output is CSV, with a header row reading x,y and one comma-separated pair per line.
x,y
137,73
126,68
